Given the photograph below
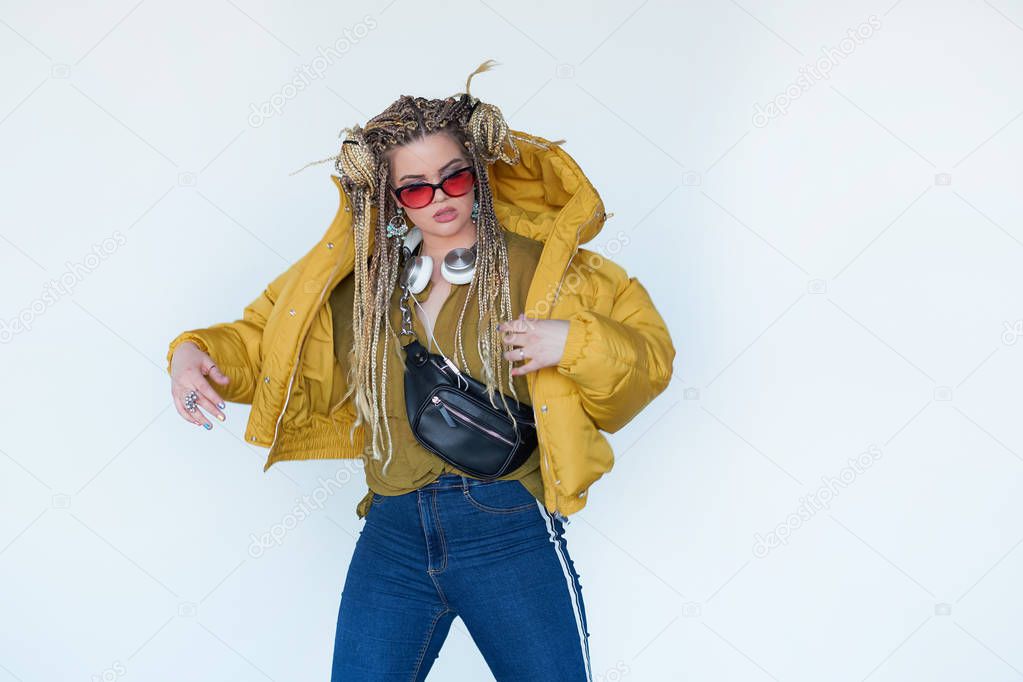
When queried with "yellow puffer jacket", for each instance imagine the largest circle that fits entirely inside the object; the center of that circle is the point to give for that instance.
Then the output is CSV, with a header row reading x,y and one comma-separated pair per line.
x,y
618,355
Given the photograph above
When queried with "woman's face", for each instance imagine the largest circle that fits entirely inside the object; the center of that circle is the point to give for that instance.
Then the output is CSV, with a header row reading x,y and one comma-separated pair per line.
x,y
429,160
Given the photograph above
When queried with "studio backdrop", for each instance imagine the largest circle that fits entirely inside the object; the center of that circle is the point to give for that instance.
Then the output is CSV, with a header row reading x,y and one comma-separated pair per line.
x,y
822,199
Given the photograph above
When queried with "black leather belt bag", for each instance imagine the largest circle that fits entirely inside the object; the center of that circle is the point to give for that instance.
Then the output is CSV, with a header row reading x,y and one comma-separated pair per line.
x,y
451,416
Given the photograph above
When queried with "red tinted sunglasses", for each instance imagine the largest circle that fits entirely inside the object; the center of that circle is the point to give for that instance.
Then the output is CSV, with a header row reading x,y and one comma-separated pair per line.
x,y
419,194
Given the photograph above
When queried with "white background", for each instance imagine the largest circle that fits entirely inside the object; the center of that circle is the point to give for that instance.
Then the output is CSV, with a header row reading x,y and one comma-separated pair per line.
x,y
841,277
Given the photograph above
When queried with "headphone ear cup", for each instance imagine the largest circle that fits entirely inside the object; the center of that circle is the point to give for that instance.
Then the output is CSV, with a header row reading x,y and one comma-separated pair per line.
x,y
457,276
459,265
418,271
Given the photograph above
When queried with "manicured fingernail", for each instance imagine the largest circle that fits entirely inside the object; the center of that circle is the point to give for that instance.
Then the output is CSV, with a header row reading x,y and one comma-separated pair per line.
x,y
207,426
220,417
221,405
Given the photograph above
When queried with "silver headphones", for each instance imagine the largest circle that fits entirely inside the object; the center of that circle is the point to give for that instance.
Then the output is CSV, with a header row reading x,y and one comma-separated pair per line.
x,y
458,266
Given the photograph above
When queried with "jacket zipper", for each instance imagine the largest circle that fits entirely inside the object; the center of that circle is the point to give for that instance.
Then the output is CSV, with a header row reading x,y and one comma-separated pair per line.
x,y
557,292
568,264
298,360
447,407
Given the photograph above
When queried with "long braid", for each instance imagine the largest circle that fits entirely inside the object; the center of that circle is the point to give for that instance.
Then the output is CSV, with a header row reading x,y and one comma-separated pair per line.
x,y
378,309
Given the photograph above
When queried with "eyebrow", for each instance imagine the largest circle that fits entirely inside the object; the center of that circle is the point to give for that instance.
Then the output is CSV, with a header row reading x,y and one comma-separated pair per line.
x,y
446,165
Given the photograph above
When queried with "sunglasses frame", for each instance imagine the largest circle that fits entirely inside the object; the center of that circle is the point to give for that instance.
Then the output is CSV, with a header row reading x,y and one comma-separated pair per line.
x,y
435,186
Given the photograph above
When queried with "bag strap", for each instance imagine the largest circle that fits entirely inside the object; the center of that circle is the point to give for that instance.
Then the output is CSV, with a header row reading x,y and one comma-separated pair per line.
x,y
408,330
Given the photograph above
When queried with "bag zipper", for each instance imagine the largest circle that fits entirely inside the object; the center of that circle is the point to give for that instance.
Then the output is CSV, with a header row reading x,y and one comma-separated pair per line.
x,y
445,408
443,367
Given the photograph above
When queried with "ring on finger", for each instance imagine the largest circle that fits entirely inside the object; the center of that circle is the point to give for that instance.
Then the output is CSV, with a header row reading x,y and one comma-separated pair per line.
x,y
190,400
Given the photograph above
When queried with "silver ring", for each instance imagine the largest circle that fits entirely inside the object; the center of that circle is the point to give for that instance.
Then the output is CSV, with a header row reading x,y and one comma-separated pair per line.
x,y
522,354
190,400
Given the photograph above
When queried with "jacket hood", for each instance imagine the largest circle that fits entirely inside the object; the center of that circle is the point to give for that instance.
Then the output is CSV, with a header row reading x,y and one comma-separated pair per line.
x,y
546,196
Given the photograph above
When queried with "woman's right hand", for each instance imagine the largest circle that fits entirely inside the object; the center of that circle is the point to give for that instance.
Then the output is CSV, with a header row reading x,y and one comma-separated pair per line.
x,y
190,368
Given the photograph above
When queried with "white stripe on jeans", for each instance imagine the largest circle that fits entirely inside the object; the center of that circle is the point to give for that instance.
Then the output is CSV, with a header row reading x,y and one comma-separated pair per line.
x,y
573,595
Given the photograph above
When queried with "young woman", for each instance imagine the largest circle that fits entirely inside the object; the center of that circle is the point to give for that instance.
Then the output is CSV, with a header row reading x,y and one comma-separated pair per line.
x,y
554,326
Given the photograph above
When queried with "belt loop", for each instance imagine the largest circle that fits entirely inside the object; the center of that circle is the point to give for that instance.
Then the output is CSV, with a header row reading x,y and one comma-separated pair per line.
x,y
465,483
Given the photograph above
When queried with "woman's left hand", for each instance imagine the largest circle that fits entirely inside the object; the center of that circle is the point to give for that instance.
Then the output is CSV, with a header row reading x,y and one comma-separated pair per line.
x,y
542,342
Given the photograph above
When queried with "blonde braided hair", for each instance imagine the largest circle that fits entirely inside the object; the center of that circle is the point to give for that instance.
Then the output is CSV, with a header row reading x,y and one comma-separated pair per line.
x,y
364,169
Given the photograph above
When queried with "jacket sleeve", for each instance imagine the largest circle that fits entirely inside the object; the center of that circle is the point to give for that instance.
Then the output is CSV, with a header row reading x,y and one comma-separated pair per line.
x,y
236,346
620,361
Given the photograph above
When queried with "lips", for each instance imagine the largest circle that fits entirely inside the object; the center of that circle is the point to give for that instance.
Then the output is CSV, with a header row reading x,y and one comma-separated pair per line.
x,y
444,212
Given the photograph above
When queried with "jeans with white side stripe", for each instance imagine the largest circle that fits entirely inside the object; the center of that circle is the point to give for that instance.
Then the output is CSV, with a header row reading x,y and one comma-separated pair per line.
x,y
485,551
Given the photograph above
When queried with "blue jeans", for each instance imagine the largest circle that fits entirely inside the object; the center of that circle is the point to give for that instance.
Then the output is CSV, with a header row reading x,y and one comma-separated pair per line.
x,y
487,552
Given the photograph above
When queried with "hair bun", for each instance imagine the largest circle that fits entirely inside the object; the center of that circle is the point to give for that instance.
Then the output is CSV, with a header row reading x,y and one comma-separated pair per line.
x,y
356,162
489,133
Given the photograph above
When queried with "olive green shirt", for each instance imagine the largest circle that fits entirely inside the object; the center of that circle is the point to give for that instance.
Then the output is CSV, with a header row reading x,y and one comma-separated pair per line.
x,y
413,466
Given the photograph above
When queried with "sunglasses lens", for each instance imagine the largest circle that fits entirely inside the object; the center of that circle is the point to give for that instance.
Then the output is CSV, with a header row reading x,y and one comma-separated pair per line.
x,y
416,197
455,185
458,184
